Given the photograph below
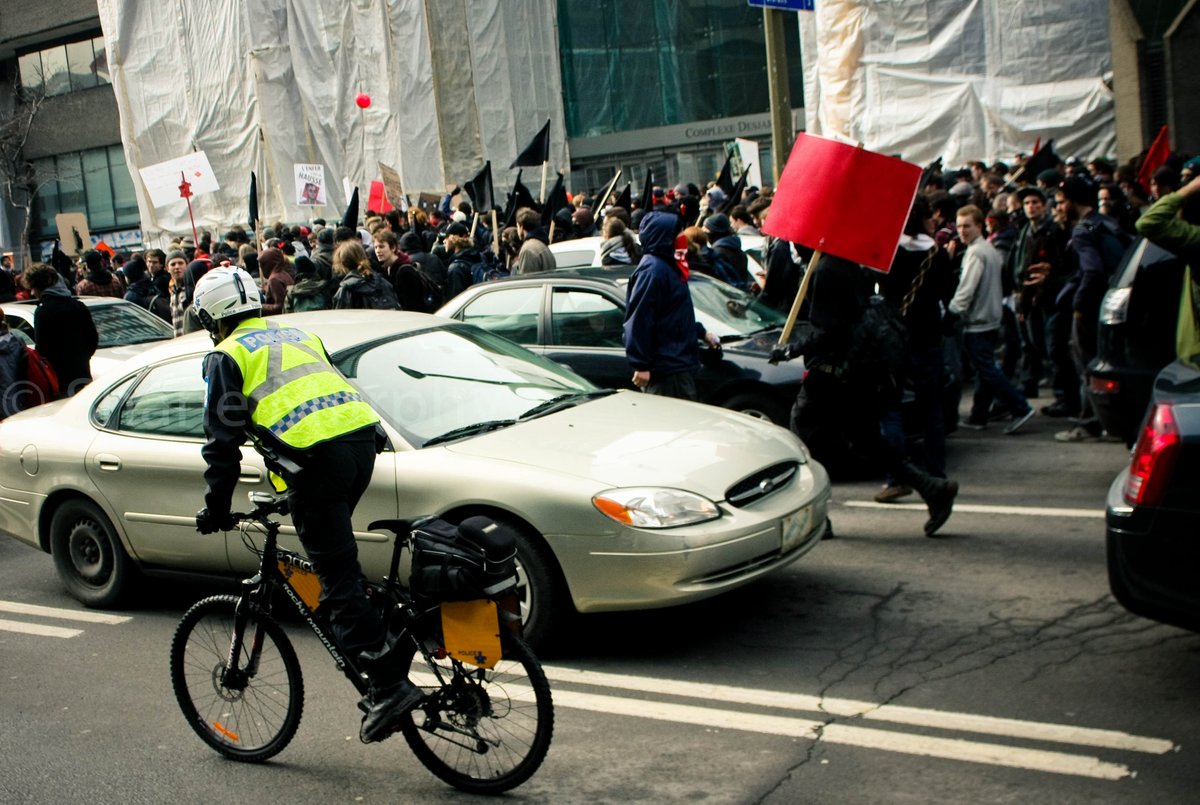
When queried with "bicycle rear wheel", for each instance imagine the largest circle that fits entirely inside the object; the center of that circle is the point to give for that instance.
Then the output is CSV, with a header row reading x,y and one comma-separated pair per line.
x,y
486,730
256,711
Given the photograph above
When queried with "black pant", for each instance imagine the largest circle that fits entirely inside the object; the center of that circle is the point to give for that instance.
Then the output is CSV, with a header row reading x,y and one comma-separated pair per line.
x,y
322,498
680,384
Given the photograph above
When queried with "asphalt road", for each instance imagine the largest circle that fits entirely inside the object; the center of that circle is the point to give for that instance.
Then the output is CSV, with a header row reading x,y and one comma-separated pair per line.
x,y
989,664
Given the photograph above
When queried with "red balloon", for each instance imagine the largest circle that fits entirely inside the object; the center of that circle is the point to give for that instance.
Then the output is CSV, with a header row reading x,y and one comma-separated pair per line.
x,y
363,100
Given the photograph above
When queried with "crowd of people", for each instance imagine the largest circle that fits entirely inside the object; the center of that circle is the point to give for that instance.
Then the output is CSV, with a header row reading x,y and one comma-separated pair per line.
x,y
999,274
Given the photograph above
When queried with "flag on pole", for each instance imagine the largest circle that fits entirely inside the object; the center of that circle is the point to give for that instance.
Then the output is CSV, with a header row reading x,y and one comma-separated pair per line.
x,y
537,152
377,200
605,196
555,201
735,194
479,188
253,212
350,218
724,179
518,198
1155,158
828,189
1043,159
625,200
648,191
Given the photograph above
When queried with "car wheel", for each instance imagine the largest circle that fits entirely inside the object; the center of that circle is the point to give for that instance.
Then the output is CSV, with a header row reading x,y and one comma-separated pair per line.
x,y
545,605
88,556
757,406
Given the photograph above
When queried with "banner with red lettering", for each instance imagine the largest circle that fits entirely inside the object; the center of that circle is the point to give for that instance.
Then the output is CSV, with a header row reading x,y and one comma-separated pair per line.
x,y
842,200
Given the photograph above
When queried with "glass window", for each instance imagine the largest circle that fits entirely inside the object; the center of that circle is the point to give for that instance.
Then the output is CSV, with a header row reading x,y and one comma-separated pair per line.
x,y
71,197
103,410
512,313
98,187
169,401
729,312
45,203
100,63
80,61
122,324
585,319
31,71
122,183
435,382
55,73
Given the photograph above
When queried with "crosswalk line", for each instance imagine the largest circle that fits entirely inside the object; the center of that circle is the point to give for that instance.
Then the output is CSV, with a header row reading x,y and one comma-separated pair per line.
x,y
40,629
16,608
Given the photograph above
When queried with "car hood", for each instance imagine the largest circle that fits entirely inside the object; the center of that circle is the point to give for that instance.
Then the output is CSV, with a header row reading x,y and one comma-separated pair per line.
x,y
633,439
108,359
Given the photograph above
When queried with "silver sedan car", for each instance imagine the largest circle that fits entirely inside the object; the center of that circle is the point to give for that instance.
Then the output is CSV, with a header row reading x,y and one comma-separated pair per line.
x,y
622,500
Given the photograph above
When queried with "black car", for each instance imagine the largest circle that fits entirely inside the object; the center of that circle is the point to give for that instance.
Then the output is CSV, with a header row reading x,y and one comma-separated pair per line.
x,y
576,318
1136,336
1153,516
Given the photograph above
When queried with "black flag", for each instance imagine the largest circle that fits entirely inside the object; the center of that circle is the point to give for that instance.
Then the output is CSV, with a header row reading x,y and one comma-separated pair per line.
x,y
932,169
735,194
253,202
724,179
624,200
648,191
518,198
555,201
1045,159
479,188
603,199
537,152
350,219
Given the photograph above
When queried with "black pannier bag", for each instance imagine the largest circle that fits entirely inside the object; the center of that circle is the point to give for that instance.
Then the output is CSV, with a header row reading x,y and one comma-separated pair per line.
x,y
476,559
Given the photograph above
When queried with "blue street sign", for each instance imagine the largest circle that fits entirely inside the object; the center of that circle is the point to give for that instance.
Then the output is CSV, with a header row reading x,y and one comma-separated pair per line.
x,y
785,5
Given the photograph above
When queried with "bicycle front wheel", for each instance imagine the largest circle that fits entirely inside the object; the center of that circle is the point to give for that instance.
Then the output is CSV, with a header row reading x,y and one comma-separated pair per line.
x,y
251,713
484,730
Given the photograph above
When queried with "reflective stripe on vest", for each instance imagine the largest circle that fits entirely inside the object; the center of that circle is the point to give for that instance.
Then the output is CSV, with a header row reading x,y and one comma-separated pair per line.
x,y
293,391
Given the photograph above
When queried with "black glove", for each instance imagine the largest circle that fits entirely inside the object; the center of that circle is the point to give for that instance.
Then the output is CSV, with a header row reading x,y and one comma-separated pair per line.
x,y
950,324
456,190
211,522
781,353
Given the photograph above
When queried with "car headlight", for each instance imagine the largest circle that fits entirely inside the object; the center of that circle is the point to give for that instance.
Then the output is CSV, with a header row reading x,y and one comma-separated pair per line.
x,y
654,507
1115,306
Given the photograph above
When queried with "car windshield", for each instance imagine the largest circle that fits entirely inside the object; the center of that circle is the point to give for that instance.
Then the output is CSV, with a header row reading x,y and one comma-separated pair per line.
x,y
454,381
730,313
119,325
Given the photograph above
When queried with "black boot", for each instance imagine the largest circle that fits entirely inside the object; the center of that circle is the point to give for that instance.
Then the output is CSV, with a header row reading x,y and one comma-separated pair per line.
x,y
938,494
389,697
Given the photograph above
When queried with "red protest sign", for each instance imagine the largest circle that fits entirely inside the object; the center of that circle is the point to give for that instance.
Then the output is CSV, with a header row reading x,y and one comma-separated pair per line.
x,y
843,201
377,201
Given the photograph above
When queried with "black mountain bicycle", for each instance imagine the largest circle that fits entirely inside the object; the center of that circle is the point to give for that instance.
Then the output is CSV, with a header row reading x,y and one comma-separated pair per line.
x,y
484,725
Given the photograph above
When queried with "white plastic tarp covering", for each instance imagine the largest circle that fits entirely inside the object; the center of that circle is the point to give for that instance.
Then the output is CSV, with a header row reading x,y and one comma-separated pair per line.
x,y
960,79
261,85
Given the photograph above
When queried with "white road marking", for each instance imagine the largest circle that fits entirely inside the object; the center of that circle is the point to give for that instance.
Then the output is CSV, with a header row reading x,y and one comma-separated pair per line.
x,y
853,735
980,508
16,608
37,629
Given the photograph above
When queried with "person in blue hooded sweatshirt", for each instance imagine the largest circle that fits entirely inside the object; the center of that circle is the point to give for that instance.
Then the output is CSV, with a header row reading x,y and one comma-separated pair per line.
x,y
661,331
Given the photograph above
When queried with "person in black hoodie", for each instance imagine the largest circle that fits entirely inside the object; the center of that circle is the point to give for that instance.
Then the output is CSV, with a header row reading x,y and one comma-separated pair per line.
x,y
63,330
143,292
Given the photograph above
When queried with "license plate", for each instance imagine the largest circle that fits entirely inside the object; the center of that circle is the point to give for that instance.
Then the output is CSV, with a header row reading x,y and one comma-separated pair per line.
x,y
795,528
471,630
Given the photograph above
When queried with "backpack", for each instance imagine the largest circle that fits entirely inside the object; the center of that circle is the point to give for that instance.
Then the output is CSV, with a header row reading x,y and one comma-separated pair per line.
x,y
724,269
488,268
878,346
306,294
1112,243
38,378
452,563
160,306
431,294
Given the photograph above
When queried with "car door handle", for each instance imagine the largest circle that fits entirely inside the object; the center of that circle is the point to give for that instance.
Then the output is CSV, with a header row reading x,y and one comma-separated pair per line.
x,y
250,475
108,462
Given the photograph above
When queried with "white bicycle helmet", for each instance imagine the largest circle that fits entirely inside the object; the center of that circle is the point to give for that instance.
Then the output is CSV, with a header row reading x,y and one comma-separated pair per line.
x,y
223,292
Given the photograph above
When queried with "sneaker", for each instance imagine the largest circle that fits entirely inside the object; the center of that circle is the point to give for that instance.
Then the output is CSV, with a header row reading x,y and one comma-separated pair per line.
x,y
998,411
1076,434
893,492
971,424
385,709
941,503
1057,409
1018,421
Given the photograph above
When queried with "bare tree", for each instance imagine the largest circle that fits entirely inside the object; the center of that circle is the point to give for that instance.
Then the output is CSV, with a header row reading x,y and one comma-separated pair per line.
x,y
18,177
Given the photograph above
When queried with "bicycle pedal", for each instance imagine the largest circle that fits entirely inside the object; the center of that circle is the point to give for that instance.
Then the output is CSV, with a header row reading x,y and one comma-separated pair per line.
x,y
364,706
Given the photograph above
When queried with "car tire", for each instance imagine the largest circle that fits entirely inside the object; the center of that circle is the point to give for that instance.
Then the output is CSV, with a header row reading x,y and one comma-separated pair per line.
x,y
546,607
758,406
88,555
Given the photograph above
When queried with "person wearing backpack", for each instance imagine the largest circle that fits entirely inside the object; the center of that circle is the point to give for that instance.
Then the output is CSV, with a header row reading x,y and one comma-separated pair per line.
x,y
142,291
411,286
360,287
64,332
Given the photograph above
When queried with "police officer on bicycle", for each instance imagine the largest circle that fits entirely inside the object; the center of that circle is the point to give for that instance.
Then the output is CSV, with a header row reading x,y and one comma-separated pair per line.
x,y
276,386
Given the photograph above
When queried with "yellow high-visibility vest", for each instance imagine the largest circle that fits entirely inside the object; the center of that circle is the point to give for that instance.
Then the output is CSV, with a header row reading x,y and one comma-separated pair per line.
x,y
295,394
